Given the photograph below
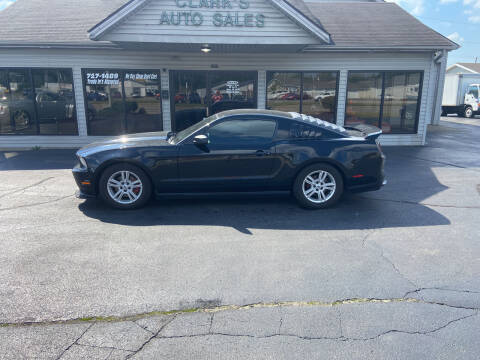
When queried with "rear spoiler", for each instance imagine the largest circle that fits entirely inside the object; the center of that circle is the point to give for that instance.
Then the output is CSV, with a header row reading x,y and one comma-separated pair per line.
x,y
369,132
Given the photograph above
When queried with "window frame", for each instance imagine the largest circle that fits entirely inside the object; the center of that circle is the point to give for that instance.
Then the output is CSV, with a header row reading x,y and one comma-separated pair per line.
x,y
121,71
302,74
382,100
34,92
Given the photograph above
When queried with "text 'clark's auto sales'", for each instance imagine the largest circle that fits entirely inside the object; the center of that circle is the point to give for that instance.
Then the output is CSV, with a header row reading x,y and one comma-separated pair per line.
x,y
227,18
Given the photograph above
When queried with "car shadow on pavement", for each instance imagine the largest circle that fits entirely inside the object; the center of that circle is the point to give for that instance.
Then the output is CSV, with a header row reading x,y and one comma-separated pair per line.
x,y
260,212
399,204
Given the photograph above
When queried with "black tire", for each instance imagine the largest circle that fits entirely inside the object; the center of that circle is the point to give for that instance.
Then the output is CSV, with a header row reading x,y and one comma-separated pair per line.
x,y
468,112
298,187
146,186
444,113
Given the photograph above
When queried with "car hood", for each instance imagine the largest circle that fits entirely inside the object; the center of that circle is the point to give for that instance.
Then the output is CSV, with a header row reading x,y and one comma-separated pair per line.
x,y
125,141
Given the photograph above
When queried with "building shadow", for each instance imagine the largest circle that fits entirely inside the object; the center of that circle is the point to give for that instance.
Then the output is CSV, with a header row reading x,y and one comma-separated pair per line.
x,y
43,159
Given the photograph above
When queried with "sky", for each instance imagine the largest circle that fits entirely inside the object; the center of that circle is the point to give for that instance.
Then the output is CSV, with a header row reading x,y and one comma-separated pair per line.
x,y
459,20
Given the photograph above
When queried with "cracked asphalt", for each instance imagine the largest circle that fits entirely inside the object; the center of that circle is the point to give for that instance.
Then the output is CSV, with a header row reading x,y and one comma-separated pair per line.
x,y
392,274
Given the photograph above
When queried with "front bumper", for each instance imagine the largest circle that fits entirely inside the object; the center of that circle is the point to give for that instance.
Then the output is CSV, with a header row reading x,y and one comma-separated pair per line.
x,y
85,182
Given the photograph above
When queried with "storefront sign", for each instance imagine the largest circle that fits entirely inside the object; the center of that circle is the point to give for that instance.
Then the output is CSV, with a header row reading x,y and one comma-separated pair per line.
x,y
113,78
95,78
141,76
233,88
223,17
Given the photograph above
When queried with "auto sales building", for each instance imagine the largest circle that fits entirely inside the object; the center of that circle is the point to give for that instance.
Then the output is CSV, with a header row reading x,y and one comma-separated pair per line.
x,y
72,72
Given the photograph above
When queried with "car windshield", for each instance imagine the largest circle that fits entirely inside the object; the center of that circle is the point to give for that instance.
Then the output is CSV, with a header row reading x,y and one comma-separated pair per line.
x,y
181,135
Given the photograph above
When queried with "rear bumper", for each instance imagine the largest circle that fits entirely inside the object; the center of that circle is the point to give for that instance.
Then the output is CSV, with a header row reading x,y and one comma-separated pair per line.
x,y
373,185
84,179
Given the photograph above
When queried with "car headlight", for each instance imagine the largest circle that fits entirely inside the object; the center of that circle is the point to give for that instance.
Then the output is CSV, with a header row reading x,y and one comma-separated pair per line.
x,y
82,162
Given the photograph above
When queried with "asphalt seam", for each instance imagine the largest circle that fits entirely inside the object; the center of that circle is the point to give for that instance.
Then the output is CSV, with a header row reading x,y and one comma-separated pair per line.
x,y
135,317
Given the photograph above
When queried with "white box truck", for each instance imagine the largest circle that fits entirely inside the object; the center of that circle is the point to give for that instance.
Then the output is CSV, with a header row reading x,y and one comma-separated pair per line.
x,y
461,95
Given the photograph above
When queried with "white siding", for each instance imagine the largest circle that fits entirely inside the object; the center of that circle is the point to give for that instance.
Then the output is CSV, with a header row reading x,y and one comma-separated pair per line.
x,y
145,26
78,59
262,89
342,95
439,85
165,84
79,101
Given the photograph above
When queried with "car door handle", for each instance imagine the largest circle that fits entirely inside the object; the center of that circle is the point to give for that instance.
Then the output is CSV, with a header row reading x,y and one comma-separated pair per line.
x,y
262,153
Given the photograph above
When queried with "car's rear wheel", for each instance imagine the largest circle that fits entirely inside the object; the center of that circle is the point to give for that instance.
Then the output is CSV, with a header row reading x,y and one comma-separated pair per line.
x,y
318,186
125,186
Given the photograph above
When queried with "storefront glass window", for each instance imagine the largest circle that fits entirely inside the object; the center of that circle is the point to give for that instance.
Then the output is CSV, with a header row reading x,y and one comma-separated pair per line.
x,y
232,90
44,107
142,101
400,105
283,91
18,104
320,95
310,93
198,94
120,102
55,101
364,98
189,98
389,100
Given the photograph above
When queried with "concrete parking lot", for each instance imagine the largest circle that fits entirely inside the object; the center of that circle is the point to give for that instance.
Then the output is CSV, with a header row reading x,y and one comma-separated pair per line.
x,y
392,274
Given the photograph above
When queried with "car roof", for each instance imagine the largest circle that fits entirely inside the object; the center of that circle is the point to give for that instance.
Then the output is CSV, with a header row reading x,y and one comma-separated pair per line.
x,y
286,115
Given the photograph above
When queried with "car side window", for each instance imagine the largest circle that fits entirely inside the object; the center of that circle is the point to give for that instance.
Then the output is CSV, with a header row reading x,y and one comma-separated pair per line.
x,y
304,131
242,131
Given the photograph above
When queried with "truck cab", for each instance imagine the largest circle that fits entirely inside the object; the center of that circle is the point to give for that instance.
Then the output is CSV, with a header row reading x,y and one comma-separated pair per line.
x,y
472,101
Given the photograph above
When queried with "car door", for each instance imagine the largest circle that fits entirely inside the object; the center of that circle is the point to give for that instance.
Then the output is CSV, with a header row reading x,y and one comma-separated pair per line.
x,y
238,156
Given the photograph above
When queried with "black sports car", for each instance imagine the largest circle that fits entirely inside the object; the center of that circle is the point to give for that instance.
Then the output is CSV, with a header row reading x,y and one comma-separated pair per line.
x,y
239,151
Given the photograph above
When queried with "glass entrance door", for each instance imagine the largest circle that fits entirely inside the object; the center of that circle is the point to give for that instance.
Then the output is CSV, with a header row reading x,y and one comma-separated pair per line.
x,y
198,94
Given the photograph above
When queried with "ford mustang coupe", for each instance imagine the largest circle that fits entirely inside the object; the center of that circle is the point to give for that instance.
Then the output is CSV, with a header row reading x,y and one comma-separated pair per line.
x,y
237,151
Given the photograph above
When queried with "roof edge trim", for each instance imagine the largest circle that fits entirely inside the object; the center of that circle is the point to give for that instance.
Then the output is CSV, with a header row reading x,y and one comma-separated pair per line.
x,y
111,20
302,20
293,13
463,67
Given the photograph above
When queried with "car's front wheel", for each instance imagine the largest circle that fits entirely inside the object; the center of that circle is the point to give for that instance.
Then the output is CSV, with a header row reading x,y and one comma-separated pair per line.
x,y
318,186
125,186
468,113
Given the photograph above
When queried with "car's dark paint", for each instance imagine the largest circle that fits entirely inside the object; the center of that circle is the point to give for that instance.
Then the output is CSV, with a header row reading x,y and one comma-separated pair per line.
x,y
266,166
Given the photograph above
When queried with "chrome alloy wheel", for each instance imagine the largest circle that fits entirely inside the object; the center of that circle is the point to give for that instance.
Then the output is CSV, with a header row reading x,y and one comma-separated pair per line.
x,y
124,187
319,186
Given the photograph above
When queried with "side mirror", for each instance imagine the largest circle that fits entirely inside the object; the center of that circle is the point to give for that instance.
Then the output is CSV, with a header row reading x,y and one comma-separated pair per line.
x,y
200,140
